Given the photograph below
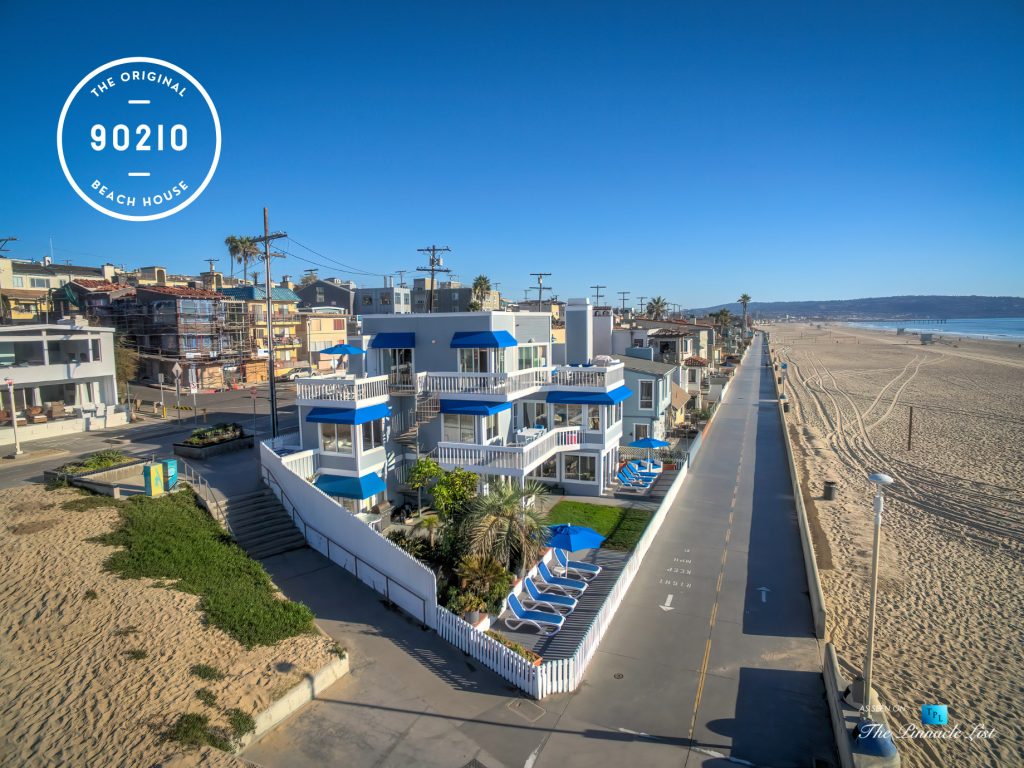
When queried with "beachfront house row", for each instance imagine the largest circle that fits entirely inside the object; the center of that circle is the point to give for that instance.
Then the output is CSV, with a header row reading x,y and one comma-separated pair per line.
x,y
285,320
650,412
472,390
63,379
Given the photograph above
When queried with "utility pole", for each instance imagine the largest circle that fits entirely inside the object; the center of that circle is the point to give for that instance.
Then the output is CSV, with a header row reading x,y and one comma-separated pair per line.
x,y
266,239
401,277
622,297
211,262
597,294
436,265
3,249
540,287
643,308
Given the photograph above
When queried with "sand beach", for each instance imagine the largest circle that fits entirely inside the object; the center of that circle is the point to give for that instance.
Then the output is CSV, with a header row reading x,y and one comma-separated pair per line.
x,y
70,693
950,598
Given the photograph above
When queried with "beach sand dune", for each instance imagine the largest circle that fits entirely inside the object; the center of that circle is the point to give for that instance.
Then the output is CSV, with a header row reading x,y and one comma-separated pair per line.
x,y
951,609
69,692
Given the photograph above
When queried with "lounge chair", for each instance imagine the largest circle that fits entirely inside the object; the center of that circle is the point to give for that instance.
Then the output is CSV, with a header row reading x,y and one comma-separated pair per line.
x,y
542,620
638,468
635,476
564,585
548,599
582,569
629,482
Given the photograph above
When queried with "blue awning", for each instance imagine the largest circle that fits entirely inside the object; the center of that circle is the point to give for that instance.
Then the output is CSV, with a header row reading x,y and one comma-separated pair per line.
x,y
590,398
351,487
491,339
473,407
394,341
348,415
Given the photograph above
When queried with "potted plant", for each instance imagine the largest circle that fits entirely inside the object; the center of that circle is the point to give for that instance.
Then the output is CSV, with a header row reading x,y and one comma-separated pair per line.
x,y
469,606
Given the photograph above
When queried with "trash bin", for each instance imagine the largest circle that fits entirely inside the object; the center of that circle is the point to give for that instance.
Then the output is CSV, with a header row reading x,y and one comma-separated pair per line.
x,y
830,490
785,406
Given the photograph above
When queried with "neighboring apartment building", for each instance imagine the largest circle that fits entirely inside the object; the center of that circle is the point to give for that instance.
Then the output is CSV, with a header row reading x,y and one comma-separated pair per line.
x,y
63,377
285,321
449,296
96,299
319,331
25,287
328,293
474,390
383,301
648,414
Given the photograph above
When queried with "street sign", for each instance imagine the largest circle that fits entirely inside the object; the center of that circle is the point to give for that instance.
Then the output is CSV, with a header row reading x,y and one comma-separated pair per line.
x,y
176,370
160,378
193,389
252,392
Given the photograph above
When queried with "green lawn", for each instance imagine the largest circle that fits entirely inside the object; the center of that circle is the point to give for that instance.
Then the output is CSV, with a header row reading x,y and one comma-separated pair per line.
x,y
621,527
171,537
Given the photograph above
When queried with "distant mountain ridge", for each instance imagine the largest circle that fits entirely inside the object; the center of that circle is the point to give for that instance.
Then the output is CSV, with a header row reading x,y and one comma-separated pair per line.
x,y
883,308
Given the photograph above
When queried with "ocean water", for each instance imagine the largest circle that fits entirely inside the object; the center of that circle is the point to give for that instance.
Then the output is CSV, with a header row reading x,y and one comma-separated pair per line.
x,y
1005,328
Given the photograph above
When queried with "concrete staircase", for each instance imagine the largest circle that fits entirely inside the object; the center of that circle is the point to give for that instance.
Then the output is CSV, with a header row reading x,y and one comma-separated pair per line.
x,y
261,526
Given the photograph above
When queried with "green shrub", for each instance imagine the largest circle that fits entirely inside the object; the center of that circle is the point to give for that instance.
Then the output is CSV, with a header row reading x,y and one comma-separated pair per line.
x,y
206,672
193,730
465,602
208,697
172,537
524,652
241,723
136,654
99,460
218,433
86,503
90,594
125,631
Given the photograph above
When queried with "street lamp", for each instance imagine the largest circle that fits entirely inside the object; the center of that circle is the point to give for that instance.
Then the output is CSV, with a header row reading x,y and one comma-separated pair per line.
x,y
862,696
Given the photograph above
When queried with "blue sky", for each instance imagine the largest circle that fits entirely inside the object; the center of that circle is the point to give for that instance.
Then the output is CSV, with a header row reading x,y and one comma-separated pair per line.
x,y
697,150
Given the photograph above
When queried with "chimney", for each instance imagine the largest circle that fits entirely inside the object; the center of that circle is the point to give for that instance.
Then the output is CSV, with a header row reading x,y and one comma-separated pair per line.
x,y
579,331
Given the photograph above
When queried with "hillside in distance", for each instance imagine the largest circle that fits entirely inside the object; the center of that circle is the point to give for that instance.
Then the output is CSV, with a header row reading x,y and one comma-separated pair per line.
x,y
884,308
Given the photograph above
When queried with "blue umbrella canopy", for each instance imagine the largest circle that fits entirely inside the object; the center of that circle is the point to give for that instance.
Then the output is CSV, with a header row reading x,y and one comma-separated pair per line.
x,y
573,537
343,349
648,442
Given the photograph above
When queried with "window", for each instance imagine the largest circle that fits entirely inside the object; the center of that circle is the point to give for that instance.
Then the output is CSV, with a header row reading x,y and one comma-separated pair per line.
x,y
367,300
499,355
39,282
373,434
19,282
561,416
491,426
339,325
459,428
594,418
581,468
533,356
691,375
336,438
647,394
547,470
640,431
616,414
385,298
534,414
473,360
575,413
95,350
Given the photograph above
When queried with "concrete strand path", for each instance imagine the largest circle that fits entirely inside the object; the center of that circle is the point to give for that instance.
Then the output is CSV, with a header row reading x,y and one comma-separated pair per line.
x,y
711,658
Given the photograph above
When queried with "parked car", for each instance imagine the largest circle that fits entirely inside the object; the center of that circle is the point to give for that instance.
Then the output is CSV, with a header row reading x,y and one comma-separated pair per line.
x,y
298,373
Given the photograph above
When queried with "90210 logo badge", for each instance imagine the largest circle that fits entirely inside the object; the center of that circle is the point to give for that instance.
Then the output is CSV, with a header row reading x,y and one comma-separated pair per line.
x,y
139,139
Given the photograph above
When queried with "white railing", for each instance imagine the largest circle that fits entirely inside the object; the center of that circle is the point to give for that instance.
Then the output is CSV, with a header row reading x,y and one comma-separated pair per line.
x,y
578,376
374,560
341,388
487,383
492,654
515,460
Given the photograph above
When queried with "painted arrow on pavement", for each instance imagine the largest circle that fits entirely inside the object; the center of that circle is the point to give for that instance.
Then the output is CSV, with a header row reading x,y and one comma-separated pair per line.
x,y
764,593
668,604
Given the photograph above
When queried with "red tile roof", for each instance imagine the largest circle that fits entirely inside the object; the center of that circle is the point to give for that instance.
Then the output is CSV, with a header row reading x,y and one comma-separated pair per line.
x,y
98,285
695,361
186,293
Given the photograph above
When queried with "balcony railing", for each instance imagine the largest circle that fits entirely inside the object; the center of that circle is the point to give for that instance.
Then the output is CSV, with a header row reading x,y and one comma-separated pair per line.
x,y
405,382
517,460
487,383
593,376
341,388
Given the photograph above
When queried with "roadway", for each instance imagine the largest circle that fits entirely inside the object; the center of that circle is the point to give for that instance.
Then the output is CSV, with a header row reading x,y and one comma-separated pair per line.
x,y
711,658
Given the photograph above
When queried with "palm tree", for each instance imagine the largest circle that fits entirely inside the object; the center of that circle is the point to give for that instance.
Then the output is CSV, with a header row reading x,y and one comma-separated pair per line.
x,y
657,307
508,524
481,287
744,300
241,249
430,524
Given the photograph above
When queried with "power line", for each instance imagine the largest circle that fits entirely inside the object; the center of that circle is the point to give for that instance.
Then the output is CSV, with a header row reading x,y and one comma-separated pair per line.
x,y
597,294
540,287
348,267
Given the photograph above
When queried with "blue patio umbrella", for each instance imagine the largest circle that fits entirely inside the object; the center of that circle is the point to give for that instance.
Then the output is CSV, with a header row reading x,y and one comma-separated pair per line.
x,y
648,443
573,537
342,349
